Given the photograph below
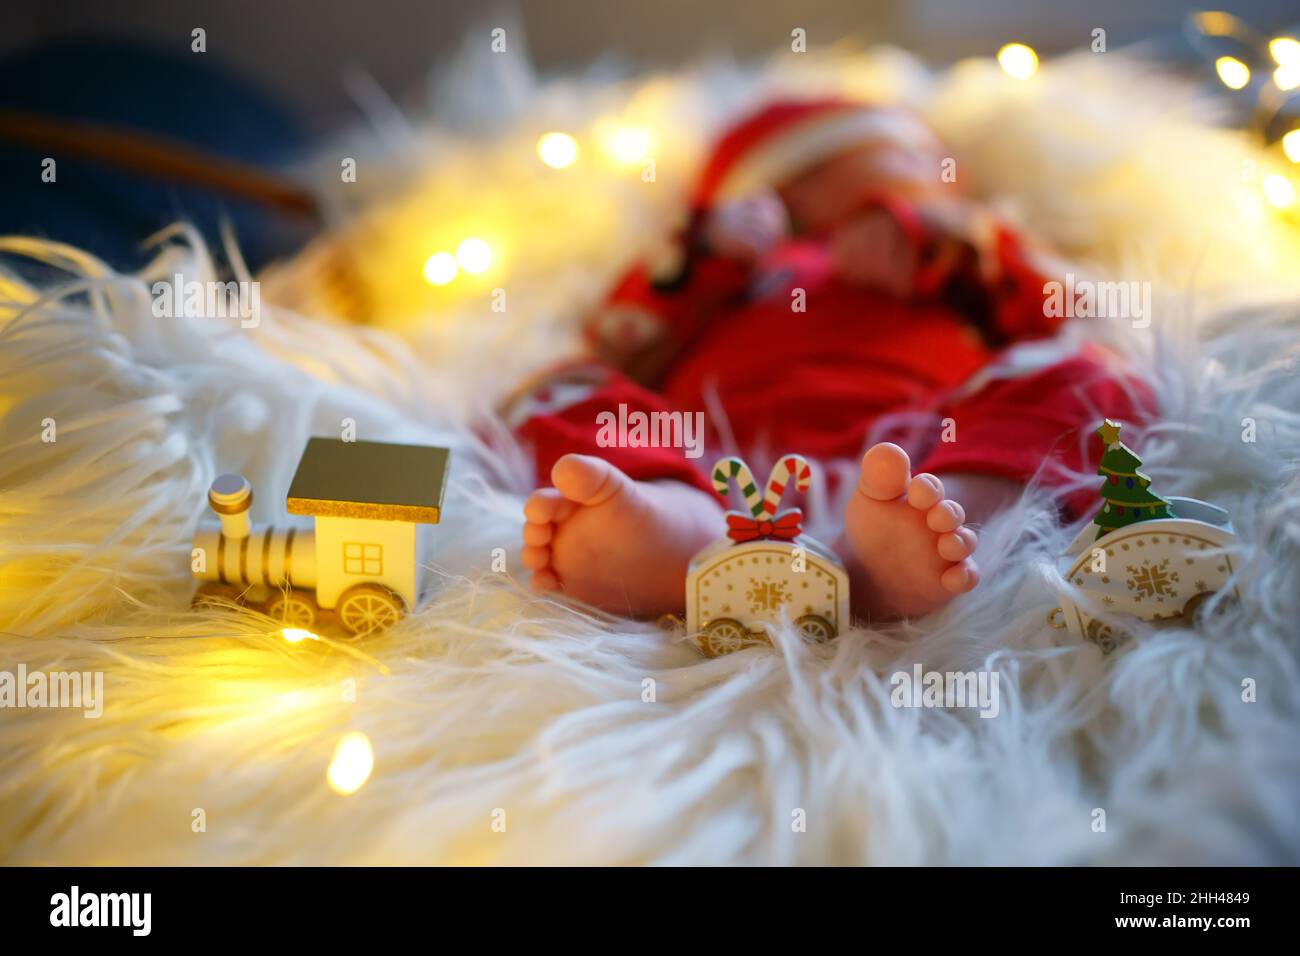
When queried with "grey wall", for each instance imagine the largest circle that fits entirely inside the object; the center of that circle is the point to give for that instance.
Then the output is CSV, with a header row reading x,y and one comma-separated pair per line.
x,y
301,49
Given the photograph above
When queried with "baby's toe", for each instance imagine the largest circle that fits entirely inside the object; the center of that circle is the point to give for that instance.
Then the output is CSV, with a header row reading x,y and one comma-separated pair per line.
x,y
924,492
960,577
587,480
542,504
955,545
535,558
886,471
538,534
946,516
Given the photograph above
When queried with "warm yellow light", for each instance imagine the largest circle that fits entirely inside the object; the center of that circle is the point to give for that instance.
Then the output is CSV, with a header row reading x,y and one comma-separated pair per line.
x,y
1216,23
1019,61
296,634
1291,145
1232,72
474,255
1284,50
629,145
1251,206
557,150
1278,191
353,760
1287,76
440,268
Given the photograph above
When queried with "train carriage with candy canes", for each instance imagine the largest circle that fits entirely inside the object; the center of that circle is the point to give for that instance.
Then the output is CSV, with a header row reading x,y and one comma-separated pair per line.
x,y
766,569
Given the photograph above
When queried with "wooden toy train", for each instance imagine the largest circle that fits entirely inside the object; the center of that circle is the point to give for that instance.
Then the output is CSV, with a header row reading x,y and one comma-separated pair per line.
x,y
1154,558
1156,570
360,562
765,569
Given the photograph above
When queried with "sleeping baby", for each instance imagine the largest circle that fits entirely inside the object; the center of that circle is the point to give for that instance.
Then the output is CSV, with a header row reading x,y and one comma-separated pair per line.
x,y
831,274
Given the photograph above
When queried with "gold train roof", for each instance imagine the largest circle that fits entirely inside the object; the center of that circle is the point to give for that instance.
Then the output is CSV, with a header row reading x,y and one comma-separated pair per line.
x,y
369,479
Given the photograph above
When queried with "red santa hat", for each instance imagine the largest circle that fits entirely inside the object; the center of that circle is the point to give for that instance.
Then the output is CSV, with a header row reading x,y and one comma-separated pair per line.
x,y
766,148
786,137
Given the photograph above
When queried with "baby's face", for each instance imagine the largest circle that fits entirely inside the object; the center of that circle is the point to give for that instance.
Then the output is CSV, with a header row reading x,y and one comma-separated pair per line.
x,y
832,192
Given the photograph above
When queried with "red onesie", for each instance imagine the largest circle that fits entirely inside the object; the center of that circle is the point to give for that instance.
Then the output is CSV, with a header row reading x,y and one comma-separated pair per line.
x,y
774,379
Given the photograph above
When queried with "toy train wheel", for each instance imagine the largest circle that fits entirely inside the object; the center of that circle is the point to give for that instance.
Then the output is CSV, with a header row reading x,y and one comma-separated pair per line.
x,y
815,628
369,607
722,636
1193,606
292,609
1107,636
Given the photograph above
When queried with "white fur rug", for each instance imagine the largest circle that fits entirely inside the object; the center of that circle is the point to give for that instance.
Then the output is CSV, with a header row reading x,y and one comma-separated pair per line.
x,y
493,706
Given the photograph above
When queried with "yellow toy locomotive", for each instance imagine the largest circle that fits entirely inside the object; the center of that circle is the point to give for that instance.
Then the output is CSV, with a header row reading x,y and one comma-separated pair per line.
x,y
360,562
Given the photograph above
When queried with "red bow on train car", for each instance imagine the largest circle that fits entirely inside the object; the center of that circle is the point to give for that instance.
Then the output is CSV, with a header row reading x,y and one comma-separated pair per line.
x,y
784,527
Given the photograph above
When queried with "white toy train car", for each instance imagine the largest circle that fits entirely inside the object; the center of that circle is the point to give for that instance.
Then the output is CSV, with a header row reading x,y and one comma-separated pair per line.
x,y
1156,570
765,570
360,562
733,590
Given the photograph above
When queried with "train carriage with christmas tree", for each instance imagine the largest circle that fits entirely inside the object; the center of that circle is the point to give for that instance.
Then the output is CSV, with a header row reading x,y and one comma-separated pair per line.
x,y
1155,558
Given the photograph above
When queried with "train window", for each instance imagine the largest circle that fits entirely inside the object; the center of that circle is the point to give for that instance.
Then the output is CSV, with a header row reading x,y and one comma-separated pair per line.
x,y
365,559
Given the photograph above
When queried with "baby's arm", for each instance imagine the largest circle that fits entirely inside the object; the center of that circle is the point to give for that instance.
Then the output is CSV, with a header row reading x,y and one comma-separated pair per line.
x,y
653,312
952,251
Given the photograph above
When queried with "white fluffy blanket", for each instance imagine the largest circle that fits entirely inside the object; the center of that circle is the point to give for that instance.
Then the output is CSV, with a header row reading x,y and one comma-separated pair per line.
x,y
509,728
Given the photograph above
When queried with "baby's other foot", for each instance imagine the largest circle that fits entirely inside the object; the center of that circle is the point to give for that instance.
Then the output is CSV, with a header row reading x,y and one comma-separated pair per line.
x,y
911,548
619,544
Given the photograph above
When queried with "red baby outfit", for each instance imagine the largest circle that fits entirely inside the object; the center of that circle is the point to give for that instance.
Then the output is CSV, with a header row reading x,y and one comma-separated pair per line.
x,y
816,381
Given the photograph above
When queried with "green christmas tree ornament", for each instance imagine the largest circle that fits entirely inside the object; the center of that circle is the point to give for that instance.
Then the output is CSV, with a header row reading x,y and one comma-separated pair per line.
x,y
1126,494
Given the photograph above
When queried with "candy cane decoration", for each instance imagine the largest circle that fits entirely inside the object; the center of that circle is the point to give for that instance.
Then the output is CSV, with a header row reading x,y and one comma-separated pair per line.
x,y
789,465
734,469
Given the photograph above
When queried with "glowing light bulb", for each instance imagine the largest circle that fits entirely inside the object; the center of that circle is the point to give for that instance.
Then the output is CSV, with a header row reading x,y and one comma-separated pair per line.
x,y
1278,191
1287,76
295,635
1291,145
629,145
1232,72
352,763
557,150
474,255
1018,61
1216,23
440,268
1284,50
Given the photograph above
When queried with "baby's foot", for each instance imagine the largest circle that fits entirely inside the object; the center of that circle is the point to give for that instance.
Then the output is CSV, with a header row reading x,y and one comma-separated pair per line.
x,y
912,550
619,544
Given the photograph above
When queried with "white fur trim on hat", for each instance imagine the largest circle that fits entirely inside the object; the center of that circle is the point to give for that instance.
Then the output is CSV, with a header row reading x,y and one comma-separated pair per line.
x,y
817,138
